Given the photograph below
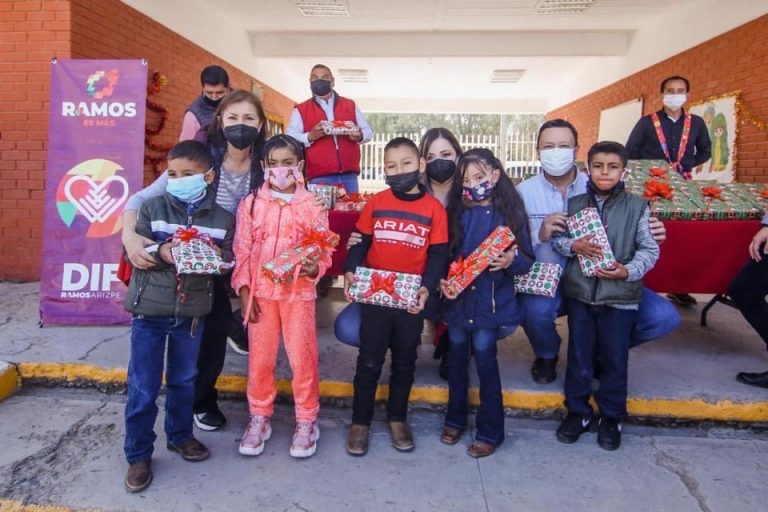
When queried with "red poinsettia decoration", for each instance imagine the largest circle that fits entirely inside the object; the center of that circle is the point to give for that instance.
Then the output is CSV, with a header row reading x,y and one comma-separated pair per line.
x,y
658,190
712,192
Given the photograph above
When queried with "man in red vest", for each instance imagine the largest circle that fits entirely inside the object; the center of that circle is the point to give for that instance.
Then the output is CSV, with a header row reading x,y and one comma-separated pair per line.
x,y
331,159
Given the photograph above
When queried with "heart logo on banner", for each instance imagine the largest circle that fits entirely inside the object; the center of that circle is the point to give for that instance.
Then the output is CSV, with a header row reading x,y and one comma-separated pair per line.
x,y
96,203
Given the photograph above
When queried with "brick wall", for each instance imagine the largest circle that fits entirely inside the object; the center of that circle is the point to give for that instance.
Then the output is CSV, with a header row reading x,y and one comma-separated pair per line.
x,y
33,31
736,60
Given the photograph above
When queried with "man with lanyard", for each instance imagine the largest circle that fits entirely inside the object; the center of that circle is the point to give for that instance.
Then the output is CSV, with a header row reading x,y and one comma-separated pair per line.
x,y
674,135
215,83
546,199
331,159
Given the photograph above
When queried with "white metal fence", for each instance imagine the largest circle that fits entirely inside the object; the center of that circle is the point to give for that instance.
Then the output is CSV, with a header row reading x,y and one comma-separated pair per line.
x,y
517,152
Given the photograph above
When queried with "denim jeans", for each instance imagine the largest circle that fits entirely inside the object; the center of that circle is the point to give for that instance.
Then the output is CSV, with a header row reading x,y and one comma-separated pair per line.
x,y
600,332
347,325
145,375
748,290
348,180
383,329
657,317
490,415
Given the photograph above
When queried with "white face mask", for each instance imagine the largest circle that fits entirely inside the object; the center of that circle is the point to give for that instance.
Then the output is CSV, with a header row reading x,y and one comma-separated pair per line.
x,y
557,161
675,101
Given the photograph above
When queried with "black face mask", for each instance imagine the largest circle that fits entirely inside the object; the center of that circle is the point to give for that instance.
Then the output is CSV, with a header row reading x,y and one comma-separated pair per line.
x,y
403,183
320,87
441,169
241,135
211,103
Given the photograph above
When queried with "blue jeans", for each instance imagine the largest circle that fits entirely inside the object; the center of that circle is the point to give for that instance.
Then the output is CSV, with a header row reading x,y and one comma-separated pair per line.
x,y
490,415
600,332
347,325
145,375
348,180
657,317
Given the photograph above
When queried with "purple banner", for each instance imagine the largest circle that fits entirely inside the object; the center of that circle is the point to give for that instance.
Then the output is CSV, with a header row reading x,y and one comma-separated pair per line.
x,y
95,162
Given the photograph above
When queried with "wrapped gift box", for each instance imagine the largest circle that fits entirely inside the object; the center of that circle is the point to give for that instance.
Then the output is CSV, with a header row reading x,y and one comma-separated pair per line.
x,y
328,193
587,222
286,266
542,279
354,202
385,288
641,170
197,257
723,202
338,127
464,271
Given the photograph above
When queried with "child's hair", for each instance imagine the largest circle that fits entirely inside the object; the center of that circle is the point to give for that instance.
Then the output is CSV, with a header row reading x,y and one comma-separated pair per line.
x,y
191,150
214,75
609,147
283,141
558,123
675,77
400,142
504,197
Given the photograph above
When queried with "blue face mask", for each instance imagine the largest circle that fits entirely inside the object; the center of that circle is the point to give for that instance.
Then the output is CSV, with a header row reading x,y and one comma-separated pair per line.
x,y
479,192
187,188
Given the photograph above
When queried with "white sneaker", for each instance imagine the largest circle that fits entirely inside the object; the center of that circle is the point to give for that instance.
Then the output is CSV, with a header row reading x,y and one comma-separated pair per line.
x,y
257,433
305,439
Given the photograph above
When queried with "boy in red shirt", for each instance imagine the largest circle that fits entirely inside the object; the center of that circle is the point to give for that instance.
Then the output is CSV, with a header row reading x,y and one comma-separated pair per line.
x,y
403,229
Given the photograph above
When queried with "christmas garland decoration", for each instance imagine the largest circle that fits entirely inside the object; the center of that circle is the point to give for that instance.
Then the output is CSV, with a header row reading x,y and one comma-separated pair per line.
x,y
157,83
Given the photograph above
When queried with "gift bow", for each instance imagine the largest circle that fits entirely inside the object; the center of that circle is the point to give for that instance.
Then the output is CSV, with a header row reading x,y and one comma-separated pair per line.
x,y
191,233
764,192
712,192
657,172
462,267
324,238
383,283
655,189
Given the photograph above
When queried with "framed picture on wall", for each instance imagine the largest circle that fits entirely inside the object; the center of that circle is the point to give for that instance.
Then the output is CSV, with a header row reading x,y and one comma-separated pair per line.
x,y
720,116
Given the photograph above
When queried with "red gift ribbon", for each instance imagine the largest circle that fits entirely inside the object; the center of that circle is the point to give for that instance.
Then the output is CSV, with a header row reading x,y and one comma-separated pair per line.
x,y
764,192
712,192
354,197
324,238
657,189
383,283
657,172
461,267
191,233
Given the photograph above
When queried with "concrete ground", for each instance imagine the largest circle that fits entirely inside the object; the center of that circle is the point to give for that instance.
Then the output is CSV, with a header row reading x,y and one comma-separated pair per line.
x,y
64,447
689,374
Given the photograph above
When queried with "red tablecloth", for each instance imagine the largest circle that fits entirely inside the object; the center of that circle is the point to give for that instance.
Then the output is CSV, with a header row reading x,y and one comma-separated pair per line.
x,y
701,256
342,223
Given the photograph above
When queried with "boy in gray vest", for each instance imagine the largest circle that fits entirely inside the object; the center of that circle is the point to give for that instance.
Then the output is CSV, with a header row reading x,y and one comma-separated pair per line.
x,y
602,310
169,310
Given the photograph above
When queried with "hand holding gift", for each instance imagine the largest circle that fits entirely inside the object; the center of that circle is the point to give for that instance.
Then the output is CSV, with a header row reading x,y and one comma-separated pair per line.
x,y
386,288
590,242
462,272
302,259
195,253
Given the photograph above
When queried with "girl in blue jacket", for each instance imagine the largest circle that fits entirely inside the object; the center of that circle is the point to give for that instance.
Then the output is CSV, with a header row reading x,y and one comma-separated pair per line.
x,y
487,309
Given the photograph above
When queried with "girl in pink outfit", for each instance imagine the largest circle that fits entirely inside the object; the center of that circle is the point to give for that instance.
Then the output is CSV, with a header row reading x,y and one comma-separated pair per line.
x,y
276,218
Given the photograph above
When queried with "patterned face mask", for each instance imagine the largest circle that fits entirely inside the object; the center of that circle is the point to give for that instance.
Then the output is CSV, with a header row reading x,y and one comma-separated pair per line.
x,y
479,192
283,177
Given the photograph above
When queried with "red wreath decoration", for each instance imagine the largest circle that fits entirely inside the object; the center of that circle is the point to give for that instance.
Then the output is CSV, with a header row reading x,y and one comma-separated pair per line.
x,y
156,84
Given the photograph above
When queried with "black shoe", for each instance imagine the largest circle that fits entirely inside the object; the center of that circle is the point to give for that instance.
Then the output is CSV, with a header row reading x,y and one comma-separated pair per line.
x,y
210,421
753,379
609,433
572,427
544,371
681,299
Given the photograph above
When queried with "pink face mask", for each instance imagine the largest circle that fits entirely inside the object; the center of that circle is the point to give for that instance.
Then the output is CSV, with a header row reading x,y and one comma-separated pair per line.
x,y
283,177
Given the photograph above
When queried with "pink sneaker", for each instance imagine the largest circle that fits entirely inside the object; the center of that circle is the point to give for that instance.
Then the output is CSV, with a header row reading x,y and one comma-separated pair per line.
x,y
256,435
305,439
